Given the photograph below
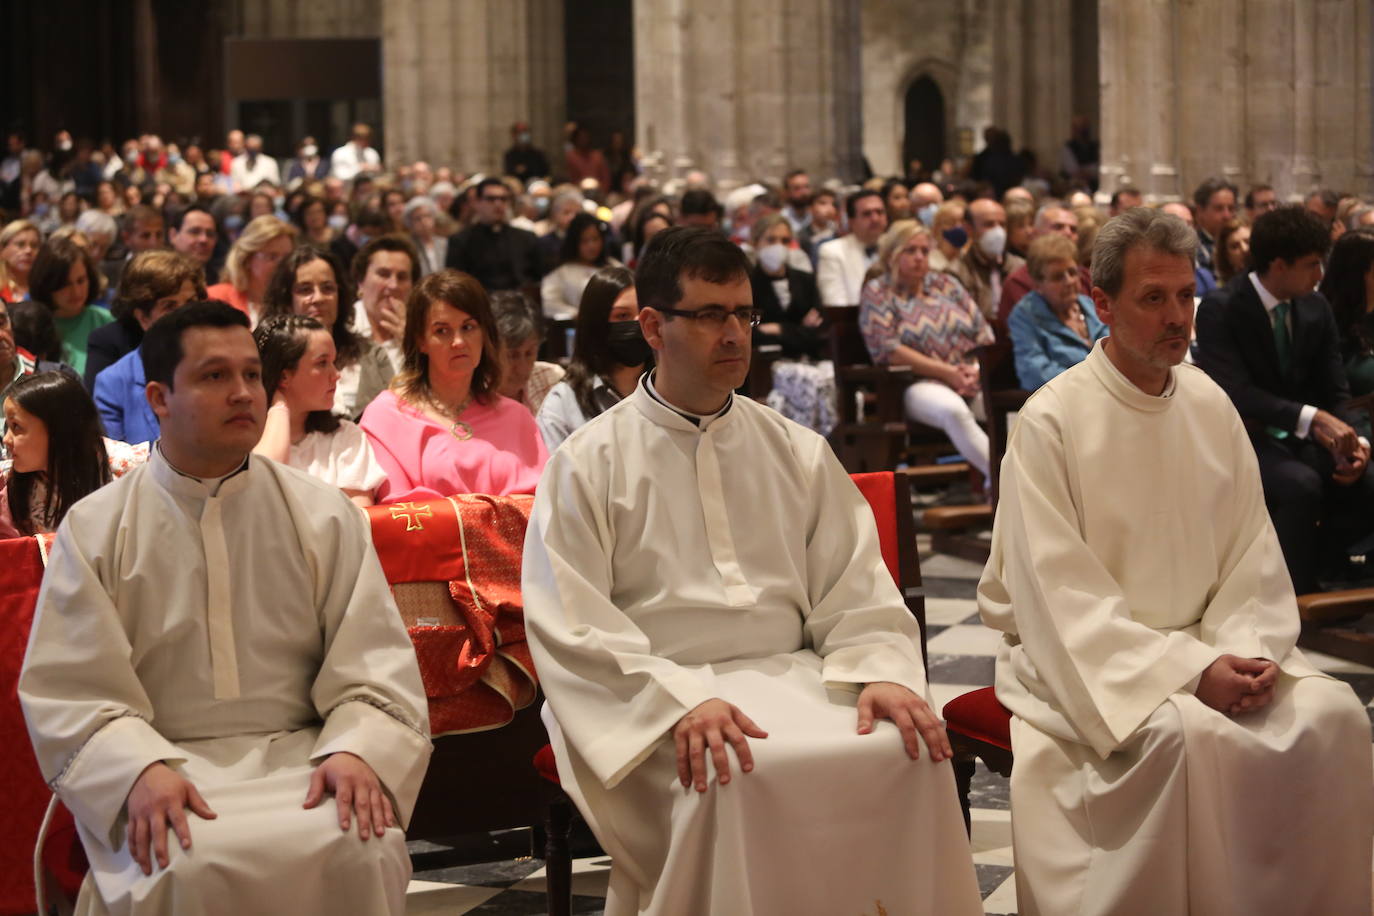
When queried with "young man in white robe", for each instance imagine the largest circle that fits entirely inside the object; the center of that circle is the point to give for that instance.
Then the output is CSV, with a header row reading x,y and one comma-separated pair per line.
x,y
214,652
736,693
1174,752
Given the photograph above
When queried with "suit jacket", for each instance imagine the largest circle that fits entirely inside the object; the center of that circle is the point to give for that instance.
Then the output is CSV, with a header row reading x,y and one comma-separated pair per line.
x,y
796,338
105,346
1236,348
120,400
499,260
840,268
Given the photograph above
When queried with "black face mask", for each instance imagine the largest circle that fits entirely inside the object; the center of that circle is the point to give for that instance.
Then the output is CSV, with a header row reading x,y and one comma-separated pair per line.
x,y
627,344
957,236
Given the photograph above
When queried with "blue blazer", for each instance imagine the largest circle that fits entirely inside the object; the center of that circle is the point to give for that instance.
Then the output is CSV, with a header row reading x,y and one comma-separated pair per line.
x,y
120,400
1042,345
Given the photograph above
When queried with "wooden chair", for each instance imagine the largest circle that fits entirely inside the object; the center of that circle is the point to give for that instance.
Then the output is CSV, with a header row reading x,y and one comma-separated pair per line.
x,y
890,499
1002,395
873,433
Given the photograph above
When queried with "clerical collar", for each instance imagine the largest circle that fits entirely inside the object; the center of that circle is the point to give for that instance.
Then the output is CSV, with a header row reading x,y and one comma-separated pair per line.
x,y
1125,389
698,420
211,484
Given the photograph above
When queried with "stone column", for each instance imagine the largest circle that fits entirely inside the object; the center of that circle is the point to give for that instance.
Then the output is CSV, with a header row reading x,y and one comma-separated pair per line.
x,y
457,75
747,90
1136,54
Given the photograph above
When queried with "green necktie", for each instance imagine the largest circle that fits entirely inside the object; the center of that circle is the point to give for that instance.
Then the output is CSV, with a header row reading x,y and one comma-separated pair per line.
x,y
1282,342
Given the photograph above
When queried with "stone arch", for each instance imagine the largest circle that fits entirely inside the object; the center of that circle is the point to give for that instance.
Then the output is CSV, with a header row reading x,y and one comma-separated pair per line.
x,y
933,85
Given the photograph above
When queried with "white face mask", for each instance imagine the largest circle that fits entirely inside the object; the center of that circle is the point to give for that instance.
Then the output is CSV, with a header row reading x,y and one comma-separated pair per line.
x,y
309,151
772,257
994,242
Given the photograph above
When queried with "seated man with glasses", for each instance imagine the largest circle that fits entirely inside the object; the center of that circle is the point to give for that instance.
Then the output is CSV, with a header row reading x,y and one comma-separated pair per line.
x,y
737,698
499,255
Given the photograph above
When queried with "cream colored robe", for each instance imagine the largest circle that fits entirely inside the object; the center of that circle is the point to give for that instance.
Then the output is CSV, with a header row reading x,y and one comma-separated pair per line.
x,y
1132,548
667,564
240,637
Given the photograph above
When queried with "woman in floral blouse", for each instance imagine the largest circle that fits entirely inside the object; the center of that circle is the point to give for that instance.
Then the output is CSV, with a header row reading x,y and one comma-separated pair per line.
x,y
913,316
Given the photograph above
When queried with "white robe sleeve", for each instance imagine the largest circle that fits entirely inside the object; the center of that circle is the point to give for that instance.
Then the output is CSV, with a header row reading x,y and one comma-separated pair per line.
x,y
612,697
1106,672
88,716
858,623
368,690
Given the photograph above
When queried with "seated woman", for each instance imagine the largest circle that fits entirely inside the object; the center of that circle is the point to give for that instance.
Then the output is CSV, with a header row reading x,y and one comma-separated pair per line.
x,y
1349,286
154,283
442,428
524,377
1054,326
311,282
299,372
583,254
63,279
789,298
1233,251
913,316
56,453
249,265
19,244
609,355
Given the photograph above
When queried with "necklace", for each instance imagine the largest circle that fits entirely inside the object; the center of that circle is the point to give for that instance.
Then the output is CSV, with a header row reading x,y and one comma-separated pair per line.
x,y
459,430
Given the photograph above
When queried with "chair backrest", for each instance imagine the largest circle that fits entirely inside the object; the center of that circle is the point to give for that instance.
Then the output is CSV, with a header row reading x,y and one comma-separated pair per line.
x,y
889,496
847,346
1002,393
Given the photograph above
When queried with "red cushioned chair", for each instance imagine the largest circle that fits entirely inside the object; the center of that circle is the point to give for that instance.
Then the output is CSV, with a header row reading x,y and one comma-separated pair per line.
x,y
21,574
889,496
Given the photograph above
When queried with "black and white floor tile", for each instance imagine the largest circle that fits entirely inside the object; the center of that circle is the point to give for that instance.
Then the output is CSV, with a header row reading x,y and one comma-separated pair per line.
x,y
961,652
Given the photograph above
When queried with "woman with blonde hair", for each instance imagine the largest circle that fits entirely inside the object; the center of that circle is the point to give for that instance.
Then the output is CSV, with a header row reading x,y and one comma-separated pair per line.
x,y
251,261
19,244
913,316
443,428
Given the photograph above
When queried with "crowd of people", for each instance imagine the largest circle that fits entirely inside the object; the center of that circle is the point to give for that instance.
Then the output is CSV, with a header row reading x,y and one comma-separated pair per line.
x,y
397,316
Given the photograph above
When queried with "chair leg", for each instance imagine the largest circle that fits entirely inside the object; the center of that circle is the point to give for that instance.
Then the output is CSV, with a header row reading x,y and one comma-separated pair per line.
x,y
964,768
557,857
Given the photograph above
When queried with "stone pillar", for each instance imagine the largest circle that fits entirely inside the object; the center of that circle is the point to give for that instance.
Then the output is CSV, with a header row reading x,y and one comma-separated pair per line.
x,y
747,90
307,18
1136,55
457,75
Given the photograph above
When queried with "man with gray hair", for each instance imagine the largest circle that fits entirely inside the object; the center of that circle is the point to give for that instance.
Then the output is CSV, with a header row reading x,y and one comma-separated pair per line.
x,y
1167,731
1054,216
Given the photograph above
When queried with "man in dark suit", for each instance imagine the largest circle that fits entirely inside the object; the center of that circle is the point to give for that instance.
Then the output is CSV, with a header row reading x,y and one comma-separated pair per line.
x,y
1271,342
500,256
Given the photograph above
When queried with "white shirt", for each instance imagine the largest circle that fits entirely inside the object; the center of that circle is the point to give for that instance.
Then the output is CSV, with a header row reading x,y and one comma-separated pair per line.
x,y
343,458
348,160
245,175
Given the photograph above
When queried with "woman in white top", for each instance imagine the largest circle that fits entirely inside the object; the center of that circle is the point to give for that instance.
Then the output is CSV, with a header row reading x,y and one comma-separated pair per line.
x,y
300,377
583,254
609,356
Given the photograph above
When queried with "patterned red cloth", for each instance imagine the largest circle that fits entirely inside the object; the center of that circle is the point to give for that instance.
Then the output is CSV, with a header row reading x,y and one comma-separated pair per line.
x,y
21,574
474,660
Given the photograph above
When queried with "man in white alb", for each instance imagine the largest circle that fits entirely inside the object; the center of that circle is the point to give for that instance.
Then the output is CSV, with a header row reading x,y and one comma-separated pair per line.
x,y
215,635
1174,752
716,634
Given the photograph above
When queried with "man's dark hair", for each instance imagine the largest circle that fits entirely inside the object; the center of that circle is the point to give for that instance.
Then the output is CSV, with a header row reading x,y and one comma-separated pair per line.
x,y
384,243
792,174
371,218
161,349
142,213
700,202
1119,192
1212,185
1329,198
685,251
1290,233
177,215
1250,194
851,202
491,182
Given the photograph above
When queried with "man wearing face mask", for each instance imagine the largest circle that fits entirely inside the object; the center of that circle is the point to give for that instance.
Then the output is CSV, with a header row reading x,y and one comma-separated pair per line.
x,y
985,262
307,166
252,167
522,160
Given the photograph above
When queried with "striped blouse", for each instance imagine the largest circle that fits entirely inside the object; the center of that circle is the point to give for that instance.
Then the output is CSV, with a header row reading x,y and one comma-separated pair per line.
x,y
943,322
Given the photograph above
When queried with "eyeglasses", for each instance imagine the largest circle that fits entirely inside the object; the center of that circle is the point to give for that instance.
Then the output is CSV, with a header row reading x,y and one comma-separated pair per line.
x,y
496,198
714,316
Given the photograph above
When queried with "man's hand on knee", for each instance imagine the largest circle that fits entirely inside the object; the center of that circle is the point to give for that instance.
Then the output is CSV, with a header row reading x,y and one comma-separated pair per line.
x,y
355,788
1233,685
157,801
910,713
710,725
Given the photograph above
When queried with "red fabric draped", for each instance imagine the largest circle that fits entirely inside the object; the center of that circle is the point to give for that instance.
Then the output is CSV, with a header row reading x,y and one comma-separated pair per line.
x,y
474,660
21,575
877,488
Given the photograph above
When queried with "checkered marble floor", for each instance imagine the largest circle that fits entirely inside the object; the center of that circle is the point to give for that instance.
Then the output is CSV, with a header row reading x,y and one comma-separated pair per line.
x,y
961,653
